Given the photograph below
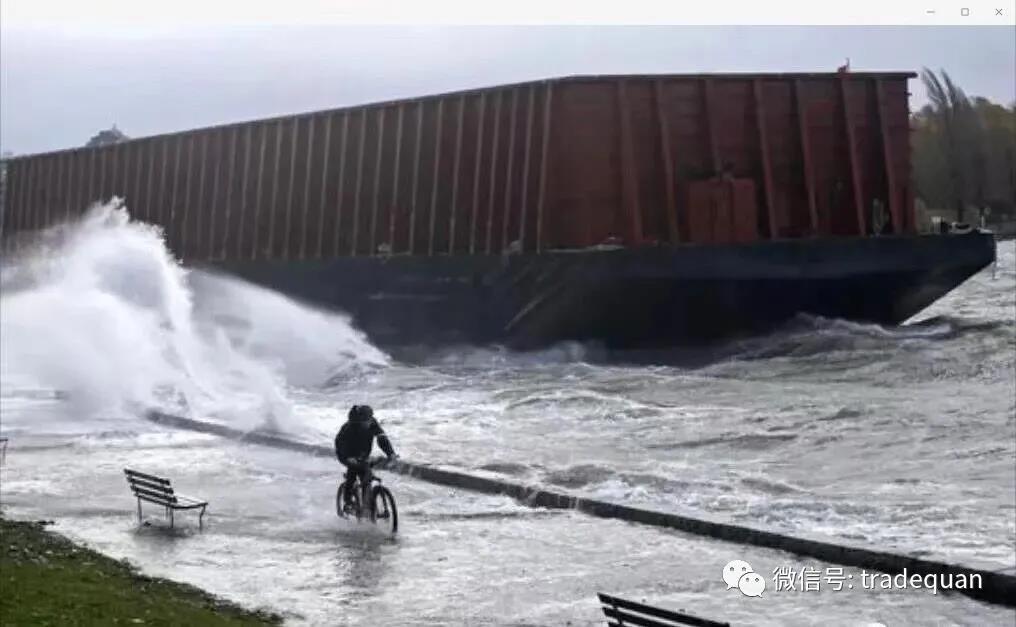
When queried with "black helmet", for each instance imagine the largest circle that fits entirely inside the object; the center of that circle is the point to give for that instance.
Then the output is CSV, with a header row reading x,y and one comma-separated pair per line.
x,y
361,413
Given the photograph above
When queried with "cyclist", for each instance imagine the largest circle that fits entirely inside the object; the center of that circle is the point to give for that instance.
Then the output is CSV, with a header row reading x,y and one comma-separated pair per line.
x,y
353,445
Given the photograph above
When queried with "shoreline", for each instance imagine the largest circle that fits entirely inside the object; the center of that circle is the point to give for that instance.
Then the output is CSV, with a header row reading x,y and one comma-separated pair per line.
x,y
48,579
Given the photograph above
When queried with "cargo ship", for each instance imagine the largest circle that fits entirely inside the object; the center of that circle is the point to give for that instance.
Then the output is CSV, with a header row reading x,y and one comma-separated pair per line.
x,y
634,211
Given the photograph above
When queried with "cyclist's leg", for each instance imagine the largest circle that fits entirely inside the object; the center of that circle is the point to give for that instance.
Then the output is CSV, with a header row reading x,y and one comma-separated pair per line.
x,y
347,486
361,475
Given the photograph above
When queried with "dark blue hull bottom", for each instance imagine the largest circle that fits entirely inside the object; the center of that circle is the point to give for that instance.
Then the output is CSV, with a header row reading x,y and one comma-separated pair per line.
x,y
629,299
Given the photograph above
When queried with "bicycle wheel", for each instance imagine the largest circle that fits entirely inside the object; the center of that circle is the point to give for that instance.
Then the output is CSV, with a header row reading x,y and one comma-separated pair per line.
x,y
384,511
340,501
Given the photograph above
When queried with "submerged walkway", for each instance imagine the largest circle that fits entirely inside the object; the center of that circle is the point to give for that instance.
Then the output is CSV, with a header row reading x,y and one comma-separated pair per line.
x,y
995,587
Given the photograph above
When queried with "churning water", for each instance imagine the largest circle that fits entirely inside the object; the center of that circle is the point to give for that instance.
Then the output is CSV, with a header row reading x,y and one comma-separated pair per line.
x,y
901,438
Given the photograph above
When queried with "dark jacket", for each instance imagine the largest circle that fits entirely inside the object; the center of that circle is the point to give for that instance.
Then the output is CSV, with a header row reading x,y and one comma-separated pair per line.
x,y
356,440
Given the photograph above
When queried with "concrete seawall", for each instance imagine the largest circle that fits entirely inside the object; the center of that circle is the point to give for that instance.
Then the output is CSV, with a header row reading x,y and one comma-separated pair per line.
x,y
997,587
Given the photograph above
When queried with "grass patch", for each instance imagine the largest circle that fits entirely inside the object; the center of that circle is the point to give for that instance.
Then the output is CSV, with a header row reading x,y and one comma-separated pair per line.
x,y
45,579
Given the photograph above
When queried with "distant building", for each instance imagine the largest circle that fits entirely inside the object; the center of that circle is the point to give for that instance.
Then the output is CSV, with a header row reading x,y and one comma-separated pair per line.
x,y
107,137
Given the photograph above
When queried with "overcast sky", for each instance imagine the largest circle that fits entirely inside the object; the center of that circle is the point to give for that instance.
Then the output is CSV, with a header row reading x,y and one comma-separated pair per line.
x,y
60,86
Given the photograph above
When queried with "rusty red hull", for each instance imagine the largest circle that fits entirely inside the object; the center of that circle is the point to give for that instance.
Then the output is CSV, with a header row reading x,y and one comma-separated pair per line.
x,y
699,166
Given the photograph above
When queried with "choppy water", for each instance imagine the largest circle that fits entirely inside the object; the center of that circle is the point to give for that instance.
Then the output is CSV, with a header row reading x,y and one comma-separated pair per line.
x,y
899,438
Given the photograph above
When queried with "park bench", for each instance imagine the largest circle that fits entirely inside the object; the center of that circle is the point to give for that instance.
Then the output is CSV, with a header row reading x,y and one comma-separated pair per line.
x,y
622,613
159,490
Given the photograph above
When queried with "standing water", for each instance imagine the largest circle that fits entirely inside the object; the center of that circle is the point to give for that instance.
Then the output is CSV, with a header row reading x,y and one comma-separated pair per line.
x,y
899,438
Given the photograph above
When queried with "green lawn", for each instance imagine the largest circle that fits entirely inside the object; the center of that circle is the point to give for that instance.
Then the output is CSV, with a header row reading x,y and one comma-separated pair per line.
x,y
47,580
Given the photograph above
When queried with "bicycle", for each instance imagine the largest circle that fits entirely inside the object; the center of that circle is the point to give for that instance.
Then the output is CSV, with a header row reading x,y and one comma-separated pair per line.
x,y
381,502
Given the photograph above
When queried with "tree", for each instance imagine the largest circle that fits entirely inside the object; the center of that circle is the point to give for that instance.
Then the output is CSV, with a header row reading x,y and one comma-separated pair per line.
x,y
964,150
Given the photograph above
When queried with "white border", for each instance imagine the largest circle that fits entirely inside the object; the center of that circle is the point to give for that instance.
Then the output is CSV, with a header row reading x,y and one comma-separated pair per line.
x,y
75,14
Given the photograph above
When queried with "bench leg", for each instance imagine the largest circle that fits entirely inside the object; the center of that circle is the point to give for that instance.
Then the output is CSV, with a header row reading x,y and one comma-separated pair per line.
x,y
139,511
201,517
170,517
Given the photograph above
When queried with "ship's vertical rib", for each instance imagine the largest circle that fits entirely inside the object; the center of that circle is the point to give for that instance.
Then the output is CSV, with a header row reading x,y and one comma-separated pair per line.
x,y
256,218
887,158
12,205
68,183
54,190
525,167
308,160
213,208
227,218
29,209
201,208
493,170
160,212
477,158
92,166
342,182
24,201
114,153
763,144
434,179
72,182
39,216
663,123
30,204
172,225
185,252
548,94
629,174
359,180
10,208
290,189
6,203
53,195
103,158
809,180
145,207
74,166
45,174
714,149
139,160
456,162
393,211
244,184
276,180
324,186
377,180
20,212
855,175
125,179
48,192
59,192
506,209
44,185
416,176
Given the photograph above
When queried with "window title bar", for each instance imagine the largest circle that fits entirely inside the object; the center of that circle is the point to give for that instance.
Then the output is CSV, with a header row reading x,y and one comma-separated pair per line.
x,y
73,14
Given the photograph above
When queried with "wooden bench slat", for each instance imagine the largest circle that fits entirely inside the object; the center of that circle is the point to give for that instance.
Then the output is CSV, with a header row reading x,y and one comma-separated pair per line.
x,y
147,477
628,618
154,487
189,501
627,607
169,499
194,505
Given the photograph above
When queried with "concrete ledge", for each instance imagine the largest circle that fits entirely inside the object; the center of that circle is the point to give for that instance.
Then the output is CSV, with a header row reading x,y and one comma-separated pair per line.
x,y
998,587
